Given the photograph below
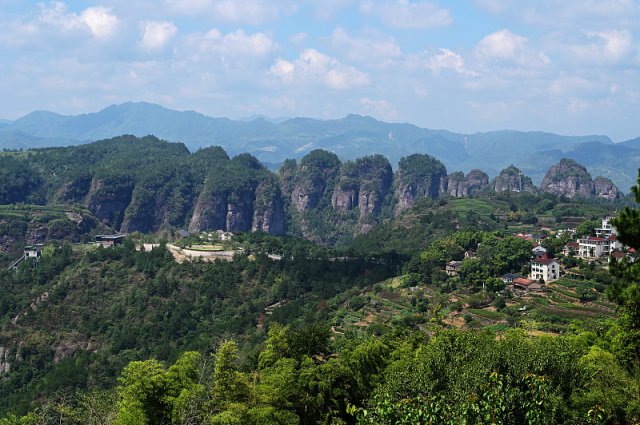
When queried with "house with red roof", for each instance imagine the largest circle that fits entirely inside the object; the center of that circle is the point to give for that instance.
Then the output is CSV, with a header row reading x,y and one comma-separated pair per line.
x,y
525,284
545,268
571,248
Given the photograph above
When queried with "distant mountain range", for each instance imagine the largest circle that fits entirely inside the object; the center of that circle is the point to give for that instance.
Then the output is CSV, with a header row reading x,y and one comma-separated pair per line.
x,y
274,140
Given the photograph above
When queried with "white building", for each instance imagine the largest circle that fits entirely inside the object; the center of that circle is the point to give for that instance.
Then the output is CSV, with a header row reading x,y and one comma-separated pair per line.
x,y
539,250
32,251
596,247
545,268
593,247
607,230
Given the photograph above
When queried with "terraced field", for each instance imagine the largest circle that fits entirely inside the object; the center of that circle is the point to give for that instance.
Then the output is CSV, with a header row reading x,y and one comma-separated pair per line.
x,y
391,302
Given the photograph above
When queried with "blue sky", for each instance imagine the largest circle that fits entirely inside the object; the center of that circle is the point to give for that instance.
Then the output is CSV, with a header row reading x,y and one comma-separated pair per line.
x,y
566,66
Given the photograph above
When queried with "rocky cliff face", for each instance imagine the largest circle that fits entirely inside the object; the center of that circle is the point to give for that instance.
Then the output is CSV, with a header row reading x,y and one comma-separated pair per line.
x,y
109,197
240,196
210,212
459,185
268,213
418,176
604,188
568,178
313,179
511,179
363,184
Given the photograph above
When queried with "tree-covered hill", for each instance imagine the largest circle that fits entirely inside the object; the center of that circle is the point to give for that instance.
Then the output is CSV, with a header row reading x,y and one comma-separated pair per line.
x,y
350,137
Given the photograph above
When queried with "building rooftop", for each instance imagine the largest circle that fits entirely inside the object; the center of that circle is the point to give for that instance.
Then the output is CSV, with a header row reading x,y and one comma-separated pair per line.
x,y
109,237
523,281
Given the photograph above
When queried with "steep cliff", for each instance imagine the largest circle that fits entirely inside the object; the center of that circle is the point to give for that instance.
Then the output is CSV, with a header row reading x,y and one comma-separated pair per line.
x,y
604,188
109,196
568,178
161,200
418,176
268,213
459,185
239,196
314,180
511,179
363,184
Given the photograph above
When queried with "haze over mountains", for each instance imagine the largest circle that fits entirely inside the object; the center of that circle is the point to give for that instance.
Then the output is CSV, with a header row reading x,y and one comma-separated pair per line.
x,y
273,141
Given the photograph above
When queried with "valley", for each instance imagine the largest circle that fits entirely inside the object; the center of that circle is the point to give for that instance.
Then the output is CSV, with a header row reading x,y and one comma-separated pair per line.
x,y
316,270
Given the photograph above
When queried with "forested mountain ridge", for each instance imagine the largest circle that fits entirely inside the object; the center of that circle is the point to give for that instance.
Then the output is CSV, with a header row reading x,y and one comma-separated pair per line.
x,y
148,185
350,137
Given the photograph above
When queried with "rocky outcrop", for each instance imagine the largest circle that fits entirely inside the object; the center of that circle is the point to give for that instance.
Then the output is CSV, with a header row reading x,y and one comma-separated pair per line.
x,y
568,178
459,185
419,176
476,180
5,365
210,212
511,179
314,179
239,211
604,188
268,212
109,197
239,196
363,184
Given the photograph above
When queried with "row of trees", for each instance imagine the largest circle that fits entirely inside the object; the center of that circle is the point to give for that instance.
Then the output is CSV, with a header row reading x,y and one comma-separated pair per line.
x,y
304,377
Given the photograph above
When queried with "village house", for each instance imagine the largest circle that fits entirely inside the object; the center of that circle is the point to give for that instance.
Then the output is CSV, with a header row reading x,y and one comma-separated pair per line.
x,y
545,268
453,267
607,229
109,240
525,284
539,250
33,251
596,246
618,255
572,248
509,278
591,247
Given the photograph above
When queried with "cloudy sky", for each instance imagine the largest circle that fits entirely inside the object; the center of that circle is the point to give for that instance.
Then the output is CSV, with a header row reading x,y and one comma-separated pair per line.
x,y
567,66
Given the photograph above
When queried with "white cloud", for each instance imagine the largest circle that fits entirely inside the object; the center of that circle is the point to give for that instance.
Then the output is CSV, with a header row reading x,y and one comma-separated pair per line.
x,y
54,22
407,14
252,12
100,20
372,47
506,46
502,44
448,59
605,47
156,34
238,43
313,67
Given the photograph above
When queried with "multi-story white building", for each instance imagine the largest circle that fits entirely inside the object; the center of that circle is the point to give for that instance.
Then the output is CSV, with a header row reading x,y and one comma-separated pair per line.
x,y
596,247
607,229
545,268
593,247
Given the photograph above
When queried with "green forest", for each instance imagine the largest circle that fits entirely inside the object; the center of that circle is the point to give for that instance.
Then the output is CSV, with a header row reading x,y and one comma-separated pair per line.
x,y
345,317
